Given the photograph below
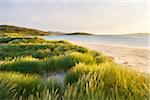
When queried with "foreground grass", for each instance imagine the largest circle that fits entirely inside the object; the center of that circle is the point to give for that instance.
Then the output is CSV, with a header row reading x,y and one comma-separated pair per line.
x,y
107,81
14,85
90,75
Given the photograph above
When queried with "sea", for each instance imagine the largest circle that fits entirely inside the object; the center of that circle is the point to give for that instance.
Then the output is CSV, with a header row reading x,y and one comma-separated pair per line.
x,y
124,40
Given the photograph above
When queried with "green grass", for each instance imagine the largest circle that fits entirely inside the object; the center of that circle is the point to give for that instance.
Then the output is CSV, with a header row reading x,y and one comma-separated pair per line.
x,y
20,40
38,50
34,65
46,94
22,64
107,81
14,85
90,74
65,62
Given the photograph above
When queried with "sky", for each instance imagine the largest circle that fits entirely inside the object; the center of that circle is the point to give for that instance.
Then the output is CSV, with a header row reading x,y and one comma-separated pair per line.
x,y
92,16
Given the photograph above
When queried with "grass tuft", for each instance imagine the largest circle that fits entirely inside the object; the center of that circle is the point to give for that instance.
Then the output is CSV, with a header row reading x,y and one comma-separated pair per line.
x,y
107,81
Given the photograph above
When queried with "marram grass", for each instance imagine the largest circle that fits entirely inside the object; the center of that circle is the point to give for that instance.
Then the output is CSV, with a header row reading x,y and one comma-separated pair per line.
x,y
90,75
16,85
29,64
107,81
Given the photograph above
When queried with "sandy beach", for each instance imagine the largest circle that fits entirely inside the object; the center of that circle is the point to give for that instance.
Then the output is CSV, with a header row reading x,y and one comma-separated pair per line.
x,y
136,58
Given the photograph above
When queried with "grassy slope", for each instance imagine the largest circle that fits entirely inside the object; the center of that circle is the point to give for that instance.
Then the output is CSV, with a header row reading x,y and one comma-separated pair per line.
x,y
6,30
91,75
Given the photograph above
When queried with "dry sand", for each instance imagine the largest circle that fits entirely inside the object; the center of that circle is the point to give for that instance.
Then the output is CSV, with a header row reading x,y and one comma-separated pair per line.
x,y
132,57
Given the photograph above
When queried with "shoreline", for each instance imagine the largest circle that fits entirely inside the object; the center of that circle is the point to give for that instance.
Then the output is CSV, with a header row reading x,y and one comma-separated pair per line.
x,y
114,45
132,57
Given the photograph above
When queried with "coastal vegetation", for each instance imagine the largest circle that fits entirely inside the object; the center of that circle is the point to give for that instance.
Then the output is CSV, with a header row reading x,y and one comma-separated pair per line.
x,y
26,62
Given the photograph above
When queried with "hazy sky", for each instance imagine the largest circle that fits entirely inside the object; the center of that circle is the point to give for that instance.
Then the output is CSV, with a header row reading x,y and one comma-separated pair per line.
x,y
95,16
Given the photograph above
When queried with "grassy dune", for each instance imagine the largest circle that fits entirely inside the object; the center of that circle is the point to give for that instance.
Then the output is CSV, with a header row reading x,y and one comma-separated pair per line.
x,y
90,75
7,30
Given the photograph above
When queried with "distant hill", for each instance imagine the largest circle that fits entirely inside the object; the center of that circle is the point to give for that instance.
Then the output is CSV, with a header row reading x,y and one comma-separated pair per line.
x,y
6,30
56,33
78,33
63,33
138,34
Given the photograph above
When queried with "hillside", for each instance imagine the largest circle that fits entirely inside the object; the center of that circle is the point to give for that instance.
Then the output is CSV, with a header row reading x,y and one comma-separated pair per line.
x,y
7,30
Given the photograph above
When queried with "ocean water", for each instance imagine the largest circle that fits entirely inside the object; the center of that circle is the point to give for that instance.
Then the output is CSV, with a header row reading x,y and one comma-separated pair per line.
x,y
126,40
